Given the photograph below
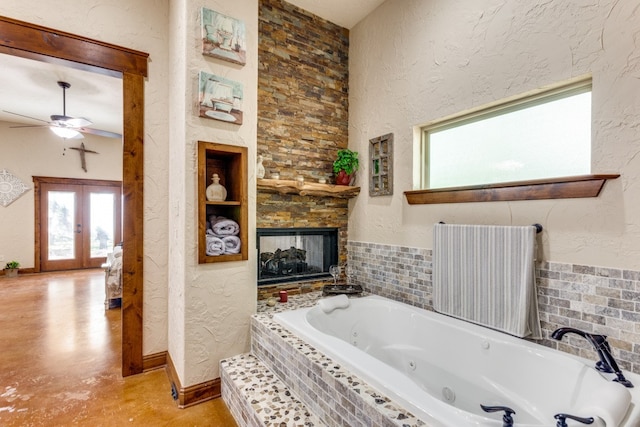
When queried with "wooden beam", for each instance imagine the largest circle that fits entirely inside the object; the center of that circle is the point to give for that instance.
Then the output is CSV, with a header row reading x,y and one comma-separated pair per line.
x,y
133,223
45,44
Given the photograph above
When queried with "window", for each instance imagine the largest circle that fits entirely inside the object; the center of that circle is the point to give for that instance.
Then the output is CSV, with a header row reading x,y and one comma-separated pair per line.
x,y
538,136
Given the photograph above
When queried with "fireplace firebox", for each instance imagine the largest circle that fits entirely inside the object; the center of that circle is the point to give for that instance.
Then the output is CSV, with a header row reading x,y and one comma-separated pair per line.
x,y
293,254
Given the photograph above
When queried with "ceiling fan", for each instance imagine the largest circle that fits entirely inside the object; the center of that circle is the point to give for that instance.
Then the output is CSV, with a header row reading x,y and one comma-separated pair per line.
x,y
65,126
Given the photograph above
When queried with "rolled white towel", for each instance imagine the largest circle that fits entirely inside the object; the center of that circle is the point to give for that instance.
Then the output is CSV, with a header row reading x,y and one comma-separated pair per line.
x,y
232,244
329,304
225,227
215,245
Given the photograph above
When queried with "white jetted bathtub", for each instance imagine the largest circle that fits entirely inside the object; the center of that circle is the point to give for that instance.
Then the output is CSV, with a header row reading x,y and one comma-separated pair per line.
x,y
442,369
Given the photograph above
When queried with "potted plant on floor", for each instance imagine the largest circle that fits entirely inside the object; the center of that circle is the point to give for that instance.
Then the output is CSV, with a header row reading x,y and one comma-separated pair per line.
x,y
345,167
11,269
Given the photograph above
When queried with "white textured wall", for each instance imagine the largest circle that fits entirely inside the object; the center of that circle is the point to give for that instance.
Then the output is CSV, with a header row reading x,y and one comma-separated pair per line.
x,y
177,172
38,152
140,25
413,61
210,304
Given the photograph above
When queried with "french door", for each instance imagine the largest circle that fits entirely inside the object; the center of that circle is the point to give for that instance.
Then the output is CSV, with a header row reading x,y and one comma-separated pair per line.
x,y
80,221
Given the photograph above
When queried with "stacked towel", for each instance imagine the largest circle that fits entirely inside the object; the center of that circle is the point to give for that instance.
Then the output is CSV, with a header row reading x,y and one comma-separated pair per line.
x,y
329,304
215,245
222,236
232,244
222,226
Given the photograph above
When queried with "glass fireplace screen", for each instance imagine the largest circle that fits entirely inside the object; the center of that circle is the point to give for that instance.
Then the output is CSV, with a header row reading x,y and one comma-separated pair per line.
x,y
291,254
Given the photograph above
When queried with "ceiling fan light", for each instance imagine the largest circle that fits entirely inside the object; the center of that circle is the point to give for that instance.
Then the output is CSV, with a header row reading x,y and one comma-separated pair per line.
x,y
65,132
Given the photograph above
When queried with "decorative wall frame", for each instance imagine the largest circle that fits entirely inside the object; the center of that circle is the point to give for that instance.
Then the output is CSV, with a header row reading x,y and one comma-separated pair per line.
x,y
220,98
11,188
223,37
381,165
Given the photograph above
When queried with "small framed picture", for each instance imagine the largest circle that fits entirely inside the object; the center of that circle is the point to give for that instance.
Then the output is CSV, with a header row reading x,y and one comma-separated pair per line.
x,y
223,37
220,98
381,166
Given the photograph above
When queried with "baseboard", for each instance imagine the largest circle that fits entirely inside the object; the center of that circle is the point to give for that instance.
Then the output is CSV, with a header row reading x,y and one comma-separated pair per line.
x,y
192,395
21,271
154,361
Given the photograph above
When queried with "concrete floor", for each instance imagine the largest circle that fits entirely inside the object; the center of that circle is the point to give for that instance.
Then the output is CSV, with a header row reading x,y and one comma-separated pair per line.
x,y
60,361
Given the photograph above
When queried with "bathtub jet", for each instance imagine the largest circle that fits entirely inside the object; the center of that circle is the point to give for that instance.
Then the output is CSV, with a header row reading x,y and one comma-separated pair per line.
x,y
607,362
442,369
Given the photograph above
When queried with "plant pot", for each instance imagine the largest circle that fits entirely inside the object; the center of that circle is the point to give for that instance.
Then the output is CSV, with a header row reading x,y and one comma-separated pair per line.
x,y
342,178
11,272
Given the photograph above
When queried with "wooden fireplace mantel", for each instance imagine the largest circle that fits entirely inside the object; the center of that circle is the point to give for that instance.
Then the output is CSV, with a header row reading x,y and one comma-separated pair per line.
x,y
283,186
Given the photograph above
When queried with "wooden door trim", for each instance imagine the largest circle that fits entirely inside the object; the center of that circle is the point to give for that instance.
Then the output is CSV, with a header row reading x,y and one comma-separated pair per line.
x,y
77,181
75,51
45,44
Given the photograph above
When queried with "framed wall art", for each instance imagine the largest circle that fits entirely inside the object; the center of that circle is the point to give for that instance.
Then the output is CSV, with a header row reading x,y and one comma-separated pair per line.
x,y
11,187
220,98
223,37
381,165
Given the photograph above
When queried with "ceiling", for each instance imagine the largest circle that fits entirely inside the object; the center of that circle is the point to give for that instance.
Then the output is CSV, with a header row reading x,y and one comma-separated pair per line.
x,y
30,87
345,13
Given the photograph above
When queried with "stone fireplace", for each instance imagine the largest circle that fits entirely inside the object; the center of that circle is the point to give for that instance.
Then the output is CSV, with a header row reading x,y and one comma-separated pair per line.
x,y
303,101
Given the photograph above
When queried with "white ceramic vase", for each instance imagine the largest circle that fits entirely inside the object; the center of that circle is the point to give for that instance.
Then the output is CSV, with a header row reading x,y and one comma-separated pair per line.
x,y
216,191
260,168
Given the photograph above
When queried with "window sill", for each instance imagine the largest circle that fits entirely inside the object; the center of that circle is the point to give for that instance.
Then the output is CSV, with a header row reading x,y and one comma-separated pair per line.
x,y
555,188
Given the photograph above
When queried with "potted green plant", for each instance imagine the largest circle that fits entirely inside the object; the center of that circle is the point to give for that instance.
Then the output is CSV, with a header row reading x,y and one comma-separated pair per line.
x,y
11,269
345,166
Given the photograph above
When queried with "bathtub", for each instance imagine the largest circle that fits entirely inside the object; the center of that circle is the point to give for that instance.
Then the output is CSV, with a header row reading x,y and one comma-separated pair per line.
x,y
441,369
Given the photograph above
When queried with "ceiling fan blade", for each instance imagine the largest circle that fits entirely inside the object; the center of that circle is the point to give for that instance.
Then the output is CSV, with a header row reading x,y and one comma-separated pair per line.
x,y
29,126
22,115
99,132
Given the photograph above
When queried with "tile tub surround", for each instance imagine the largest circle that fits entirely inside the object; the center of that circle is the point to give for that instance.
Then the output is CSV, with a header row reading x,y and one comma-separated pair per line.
x,y
328,390
253,394
399,273
263,388
595,299
256,397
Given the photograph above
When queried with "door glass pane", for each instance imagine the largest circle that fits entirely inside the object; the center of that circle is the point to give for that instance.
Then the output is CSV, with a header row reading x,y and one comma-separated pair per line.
x,y
102,223
61,209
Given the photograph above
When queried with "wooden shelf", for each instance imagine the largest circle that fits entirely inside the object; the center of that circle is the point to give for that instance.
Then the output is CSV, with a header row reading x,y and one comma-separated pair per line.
x,y
230,163
283,186
556,188
225,203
